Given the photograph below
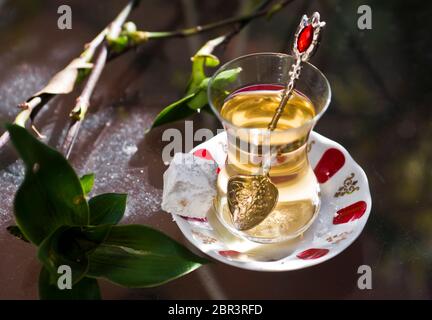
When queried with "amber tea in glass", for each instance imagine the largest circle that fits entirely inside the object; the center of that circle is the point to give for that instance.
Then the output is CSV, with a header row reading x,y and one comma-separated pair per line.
x,y
245,105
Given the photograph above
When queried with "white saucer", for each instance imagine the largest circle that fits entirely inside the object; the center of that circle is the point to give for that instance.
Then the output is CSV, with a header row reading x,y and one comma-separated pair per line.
x,y
345,208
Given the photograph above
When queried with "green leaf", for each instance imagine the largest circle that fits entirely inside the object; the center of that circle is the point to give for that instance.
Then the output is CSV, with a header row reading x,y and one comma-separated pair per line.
x,y
51,194
176,111
200,100
139,256
70,246
87,182
207,50
16,232
85,289
203,58
196,92
225,77
118,44
107,208
129,36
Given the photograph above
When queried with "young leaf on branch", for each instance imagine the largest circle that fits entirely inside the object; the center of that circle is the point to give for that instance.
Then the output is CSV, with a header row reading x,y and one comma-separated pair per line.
x,y
129,37
196,92
64,81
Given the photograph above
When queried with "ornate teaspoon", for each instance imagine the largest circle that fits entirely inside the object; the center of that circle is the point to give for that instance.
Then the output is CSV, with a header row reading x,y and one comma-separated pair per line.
x,y
251,198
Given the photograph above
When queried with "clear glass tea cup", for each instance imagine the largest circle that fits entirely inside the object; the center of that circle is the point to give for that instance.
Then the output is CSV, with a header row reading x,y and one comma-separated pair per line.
x,y
237,94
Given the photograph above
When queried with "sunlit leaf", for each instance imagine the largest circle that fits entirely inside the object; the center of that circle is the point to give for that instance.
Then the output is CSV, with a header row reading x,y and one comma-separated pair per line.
x,y
139,256
200,100
207,50
87,182
107,208
176,111
196,91
225,77
51,194
203,58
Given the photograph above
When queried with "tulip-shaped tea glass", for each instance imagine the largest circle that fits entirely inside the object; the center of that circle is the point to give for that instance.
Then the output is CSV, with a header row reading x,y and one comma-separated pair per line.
x,y
245,93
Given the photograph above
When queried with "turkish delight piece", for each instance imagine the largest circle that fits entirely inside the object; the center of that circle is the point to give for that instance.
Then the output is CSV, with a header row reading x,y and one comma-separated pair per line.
x,y
189,186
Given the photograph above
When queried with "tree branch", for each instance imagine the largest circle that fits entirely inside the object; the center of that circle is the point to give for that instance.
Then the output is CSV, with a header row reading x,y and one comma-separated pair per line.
x,y
33,105
38,100
241,20
83,101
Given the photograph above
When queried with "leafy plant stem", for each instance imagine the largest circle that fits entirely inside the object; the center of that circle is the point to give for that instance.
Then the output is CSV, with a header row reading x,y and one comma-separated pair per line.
x,y
83,101
36,102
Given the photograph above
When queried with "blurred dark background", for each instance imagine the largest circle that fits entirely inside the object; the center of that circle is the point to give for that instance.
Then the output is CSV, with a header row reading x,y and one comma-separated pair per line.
x,y
380,111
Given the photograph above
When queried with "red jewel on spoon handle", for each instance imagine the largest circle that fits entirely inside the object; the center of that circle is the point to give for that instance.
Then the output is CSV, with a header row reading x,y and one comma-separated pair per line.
x,y
305,44
305,38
